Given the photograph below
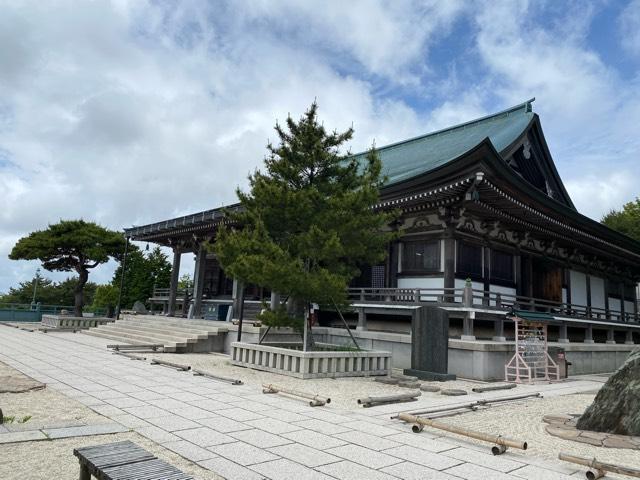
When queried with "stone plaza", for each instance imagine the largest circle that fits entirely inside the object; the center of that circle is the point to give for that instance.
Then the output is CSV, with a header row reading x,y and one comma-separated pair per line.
x,y
237,432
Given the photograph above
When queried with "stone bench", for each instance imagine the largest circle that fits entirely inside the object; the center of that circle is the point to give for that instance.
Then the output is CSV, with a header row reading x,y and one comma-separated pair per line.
x,y
124,460
63,321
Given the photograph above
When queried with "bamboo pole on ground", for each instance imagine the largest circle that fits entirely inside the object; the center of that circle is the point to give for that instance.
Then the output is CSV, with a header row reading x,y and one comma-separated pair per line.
x,y
500,442
233,381
367,402
171,364
316,400
491,388
599,467
130,355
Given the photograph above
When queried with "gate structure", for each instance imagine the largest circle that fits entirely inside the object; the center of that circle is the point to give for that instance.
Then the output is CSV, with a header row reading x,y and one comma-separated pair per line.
x,y
531,360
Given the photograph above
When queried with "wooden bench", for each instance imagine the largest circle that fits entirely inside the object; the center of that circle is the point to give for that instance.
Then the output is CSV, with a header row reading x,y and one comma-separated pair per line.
x,y
124,461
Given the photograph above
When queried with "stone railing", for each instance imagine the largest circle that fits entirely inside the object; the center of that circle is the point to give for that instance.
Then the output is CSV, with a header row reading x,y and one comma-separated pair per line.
x,y
60,321
315,364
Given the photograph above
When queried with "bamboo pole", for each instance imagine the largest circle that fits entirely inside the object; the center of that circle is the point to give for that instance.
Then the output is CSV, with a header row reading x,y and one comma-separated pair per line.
x,y
471,406
499,440
135,346
491,388
130,355
316,400
202,373
599,467
367,402
170,364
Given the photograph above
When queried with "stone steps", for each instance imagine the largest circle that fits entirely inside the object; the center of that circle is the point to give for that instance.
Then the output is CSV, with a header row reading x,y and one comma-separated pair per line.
x,y
177,335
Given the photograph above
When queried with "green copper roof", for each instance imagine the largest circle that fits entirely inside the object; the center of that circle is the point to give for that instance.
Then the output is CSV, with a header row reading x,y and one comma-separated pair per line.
x,y
409,158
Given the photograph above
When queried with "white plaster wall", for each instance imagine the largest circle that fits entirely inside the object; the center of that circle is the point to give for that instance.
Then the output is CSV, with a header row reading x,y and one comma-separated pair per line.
x,y
564,295
459,283
578,288
509,291
423,282
597,292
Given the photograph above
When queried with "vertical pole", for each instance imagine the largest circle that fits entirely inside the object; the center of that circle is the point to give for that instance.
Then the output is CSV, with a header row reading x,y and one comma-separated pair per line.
x,y
563,336
124,272
622,305
238,304
588,277
588,334
173,286
198,280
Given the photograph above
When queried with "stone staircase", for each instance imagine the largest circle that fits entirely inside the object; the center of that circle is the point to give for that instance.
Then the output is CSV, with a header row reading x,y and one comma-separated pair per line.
x,y
176,334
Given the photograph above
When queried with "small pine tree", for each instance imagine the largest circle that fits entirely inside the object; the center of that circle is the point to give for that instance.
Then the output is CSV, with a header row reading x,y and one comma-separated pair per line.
x,y
307,222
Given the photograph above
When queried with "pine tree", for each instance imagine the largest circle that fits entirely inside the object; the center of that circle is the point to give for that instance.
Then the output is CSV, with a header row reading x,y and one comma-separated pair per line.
x,y
307,222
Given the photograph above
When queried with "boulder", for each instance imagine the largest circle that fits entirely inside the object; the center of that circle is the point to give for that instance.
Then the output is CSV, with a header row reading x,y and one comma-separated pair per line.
x,y
139,307
616,408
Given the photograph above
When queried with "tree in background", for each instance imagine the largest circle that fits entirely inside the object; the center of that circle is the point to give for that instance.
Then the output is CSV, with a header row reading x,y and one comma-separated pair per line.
x,y
185,282
143,274
71,245
307,222
106,297
49,292
625,221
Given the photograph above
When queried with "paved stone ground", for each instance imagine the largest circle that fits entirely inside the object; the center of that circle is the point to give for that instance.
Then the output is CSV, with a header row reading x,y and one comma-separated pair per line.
x,y
240,433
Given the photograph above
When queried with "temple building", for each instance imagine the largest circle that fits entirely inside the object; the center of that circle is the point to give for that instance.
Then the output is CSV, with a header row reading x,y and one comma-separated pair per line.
x,y
487,225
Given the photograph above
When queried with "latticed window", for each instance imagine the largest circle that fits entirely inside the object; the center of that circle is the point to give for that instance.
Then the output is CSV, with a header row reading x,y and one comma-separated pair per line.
x,y
421,256
469,259
502,266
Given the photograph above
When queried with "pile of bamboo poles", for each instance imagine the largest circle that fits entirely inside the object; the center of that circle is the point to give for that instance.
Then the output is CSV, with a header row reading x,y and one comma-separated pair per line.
x,y
500,443
315,399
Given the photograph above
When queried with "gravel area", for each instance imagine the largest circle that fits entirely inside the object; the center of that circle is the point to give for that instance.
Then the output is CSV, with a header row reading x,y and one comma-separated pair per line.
x,y
523,421
54,458
343,392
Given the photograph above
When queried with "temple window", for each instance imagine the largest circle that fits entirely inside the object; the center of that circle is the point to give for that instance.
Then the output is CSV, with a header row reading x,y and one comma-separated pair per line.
x,y
421,256
502,266
469,260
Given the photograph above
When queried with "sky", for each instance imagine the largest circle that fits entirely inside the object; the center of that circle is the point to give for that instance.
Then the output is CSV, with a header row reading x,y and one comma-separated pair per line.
x,y
131,112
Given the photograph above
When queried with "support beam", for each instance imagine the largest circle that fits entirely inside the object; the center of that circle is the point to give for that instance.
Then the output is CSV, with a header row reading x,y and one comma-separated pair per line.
x,y
588,334
175,277
498,334
610,337
198,281
563,336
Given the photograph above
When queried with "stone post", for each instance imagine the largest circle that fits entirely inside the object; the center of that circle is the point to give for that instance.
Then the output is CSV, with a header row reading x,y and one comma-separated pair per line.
x,y
563,336
275,301
610,337
588,335
629,338
498,335
173,287
362,319
467,326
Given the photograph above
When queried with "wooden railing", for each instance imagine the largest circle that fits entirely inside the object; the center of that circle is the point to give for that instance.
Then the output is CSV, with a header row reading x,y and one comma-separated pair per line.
x,y
164,292
474,298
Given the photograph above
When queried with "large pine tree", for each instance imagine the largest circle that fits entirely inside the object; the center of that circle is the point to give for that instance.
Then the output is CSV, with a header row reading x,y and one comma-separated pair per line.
x,y
307,222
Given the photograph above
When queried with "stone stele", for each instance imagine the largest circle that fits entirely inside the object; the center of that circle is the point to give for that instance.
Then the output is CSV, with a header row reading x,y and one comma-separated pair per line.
x,y
616,408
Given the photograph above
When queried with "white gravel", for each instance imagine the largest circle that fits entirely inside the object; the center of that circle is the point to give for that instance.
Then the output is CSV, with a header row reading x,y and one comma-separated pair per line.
x,y
344,392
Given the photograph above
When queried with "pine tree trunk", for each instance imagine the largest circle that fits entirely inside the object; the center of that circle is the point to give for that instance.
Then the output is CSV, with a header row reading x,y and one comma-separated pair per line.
x,y
83,276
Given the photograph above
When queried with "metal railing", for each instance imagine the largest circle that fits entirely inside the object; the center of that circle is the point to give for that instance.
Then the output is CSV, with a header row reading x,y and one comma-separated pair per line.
x,y
28,312
164,292
475,298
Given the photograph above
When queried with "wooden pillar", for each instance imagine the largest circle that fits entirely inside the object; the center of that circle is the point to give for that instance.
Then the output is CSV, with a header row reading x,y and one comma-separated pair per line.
x,y
622,315
486,273
518,273
175,277
567,282
629,338
529,290
238,304
449,265
198,281
607,312
467,326
498,334
588,281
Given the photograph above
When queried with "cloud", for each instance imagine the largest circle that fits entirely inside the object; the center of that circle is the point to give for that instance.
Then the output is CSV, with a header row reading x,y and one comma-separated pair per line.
x,y
629,32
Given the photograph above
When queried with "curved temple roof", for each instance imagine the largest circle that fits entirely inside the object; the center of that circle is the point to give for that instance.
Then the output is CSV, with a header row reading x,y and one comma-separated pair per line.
x,y
409,158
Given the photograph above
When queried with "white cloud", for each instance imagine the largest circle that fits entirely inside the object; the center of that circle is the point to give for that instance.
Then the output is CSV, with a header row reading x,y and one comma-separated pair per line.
x,y
630,27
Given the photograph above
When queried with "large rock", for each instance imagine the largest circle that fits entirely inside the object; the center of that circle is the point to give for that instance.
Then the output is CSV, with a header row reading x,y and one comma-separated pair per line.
x,y
616,408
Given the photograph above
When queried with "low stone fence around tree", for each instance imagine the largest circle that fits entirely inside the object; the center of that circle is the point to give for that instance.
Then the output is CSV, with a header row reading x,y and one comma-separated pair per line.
x,y
311,364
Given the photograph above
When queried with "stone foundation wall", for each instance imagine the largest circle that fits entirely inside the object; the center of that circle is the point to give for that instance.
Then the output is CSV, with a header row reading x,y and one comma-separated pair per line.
x,y
63,321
